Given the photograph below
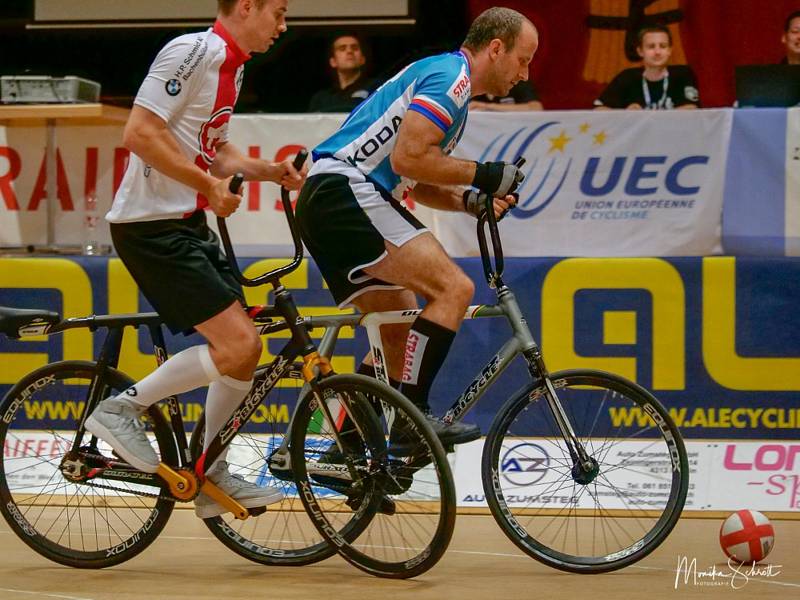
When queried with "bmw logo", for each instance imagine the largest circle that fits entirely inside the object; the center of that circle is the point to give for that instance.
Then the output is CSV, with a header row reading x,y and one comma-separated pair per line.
x,y
173,87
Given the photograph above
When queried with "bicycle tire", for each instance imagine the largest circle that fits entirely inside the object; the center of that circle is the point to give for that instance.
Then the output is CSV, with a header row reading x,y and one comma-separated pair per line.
x,y
283,535
636,502
400,512
100,515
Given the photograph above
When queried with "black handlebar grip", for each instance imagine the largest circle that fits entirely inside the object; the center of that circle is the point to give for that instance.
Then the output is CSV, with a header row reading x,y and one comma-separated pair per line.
x,y
236,183
300,159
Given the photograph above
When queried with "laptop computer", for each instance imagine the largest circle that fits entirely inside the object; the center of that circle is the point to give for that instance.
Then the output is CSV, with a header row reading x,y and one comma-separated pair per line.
x,y
767,85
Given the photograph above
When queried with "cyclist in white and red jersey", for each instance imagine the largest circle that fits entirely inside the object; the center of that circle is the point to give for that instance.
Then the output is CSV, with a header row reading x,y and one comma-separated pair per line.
x,y
181,163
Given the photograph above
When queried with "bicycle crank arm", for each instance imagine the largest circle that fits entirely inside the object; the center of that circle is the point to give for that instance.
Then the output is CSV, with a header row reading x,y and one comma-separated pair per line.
x,y
221,498
183,484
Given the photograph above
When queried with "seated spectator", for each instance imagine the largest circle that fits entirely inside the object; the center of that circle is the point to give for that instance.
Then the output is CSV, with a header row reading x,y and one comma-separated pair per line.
x,y
791,39
655,85
522,96
351,88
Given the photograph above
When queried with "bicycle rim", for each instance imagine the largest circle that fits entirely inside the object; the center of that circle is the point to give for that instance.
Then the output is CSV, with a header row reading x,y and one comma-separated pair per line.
x,y
80,524
582,521
389,515
283,535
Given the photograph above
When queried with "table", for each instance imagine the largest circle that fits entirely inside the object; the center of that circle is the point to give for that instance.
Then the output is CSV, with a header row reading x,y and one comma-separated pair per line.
x,y
52,115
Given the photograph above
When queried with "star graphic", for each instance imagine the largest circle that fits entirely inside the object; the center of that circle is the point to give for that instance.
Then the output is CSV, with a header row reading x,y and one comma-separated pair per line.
x,y
560,142
584,128
600,138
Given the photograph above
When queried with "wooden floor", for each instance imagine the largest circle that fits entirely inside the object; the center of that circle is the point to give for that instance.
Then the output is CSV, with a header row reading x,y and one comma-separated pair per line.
x,y
187,563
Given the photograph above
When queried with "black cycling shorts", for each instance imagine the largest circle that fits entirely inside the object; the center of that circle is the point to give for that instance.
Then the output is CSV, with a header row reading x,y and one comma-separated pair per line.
x,y
344,221
179,267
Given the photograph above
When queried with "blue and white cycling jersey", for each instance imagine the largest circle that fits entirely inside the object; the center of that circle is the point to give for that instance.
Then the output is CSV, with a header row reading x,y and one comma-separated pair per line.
x,y
437,87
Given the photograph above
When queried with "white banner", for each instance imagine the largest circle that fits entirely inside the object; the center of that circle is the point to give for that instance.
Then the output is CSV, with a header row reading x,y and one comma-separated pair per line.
x,y
261,227
598,183
723,475
603,183
92,160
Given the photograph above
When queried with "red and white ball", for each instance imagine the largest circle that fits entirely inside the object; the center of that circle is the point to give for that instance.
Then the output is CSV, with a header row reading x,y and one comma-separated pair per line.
x,y
747,536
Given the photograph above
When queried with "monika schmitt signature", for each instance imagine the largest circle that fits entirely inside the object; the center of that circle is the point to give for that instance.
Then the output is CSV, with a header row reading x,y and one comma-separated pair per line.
x,y
737,575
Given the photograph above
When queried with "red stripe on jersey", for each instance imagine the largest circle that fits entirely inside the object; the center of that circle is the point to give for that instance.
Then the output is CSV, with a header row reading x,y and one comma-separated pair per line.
x,y
443,116
223,104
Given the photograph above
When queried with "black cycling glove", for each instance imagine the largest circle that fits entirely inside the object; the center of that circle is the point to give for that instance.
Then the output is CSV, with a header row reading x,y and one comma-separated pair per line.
x,y
497,178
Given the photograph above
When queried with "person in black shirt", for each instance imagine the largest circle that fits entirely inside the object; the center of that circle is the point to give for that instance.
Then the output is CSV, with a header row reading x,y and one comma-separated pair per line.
x,y
522,96
791,39
351,88
655,85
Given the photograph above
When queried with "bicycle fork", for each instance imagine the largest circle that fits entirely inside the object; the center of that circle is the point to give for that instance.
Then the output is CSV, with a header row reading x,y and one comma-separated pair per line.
x,y
584,467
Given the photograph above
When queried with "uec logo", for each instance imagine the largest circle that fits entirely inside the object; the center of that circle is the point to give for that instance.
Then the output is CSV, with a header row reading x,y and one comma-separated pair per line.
x,y
545,176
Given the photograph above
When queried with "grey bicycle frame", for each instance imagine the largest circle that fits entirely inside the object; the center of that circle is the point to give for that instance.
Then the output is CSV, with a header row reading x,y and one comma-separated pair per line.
x,y
521,342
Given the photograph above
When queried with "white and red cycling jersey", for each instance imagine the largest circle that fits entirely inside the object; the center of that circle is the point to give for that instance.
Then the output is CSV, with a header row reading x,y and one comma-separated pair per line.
x,y
193,85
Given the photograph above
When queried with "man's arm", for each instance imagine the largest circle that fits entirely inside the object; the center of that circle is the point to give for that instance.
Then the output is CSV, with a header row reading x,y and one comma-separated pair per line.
x,y
230,160
687,84
440,197
147,136
451,197
614,96
418,155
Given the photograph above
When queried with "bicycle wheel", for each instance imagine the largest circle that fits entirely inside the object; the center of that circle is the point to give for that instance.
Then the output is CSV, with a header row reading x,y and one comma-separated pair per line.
x,y
71,507
389,515
284,535
577,521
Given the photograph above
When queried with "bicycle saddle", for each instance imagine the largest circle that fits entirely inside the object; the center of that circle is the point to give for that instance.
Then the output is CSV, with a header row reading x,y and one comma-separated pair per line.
x,y
15,322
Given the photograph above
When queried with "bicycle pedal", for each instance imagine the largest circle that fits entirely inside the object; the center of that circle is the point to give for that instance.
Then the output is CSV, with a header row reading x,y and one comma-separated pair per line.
x,y
254,512
386,506
282,474
337,485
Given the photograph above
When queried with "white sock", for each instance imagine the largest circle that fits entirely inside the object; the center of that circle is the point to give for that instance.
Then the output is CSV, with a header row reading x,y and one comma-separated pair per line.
x,y
224,397
187,370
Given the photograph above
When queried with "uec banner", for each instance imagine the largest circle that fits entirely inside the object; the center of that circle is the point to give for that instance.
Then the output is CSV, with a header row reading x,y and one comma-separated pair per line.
x,y
598,183
603,183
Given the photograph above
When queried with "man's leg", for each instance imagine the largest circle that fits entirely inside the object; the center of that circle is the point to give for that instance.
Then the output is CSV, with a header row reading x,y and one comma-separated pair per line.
x,y
227,363
235,349
422,266
393,336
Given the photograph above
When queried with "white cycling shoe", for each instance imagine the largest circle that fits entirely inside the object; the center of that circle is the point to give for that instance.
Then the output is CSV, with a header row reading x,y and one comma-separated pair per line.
x,y
245,493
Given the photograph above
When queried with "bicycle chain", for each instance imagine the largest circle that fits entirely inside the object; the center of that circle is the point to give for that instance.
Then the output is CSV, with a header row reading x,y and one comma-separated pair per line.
x,y
129,491
102,458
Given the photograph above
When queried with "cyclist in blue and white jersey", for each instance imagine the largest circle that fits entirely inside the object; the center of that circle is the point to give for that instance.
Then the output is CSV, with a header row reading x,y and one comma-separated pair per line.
x,y
370,249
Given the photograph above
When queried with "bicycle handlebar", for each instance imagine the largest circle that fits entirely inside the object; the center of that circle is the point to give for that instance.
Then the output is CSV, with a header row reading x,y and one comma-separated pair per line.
x,y
274,275
493,273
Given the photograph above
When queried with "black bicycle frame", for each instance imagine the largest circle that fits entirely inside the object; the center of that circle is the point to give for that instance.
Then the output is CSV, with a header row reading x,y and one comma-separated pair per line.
x,y
108,358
